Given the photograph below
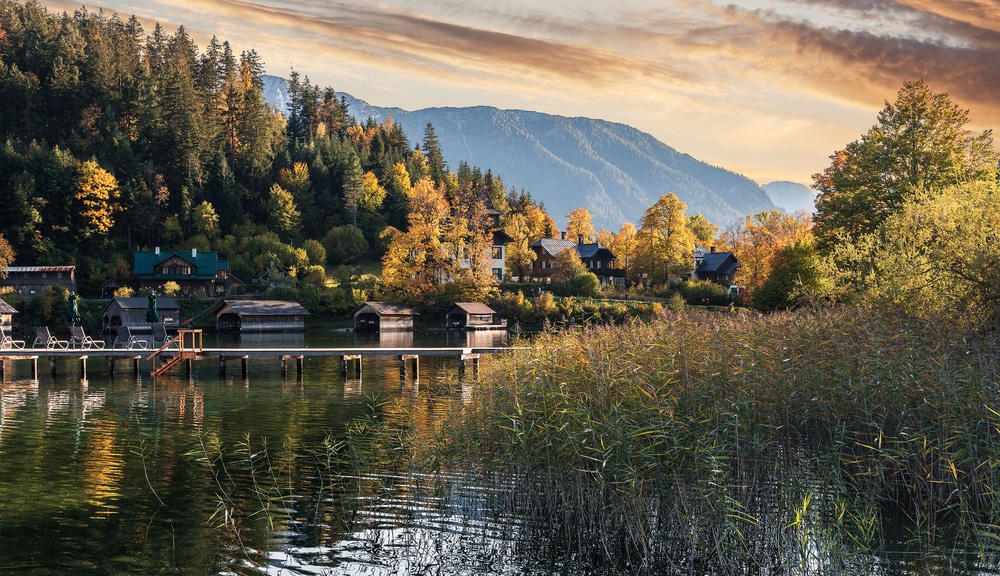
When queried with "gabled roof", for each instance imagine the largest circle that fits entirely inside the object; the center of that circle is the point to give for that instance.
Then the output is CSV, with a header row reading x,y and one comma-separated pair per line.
x,y
6,308
473,308
386,309
139,303
554,246
717,263
262,308
207,263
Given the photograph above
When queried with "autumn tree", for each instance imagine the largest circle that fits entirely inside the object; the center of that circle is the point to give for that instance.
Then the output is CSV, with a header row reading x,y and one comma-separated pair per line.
x,y
758,240
703,230
919,142
664,243
580,227
96,199
6,256
519,253
205,221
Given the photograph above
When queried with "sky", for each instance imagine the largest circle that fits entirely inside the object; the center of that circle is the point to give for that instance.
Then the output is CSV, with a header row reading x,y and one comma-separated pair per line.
x,y
766,88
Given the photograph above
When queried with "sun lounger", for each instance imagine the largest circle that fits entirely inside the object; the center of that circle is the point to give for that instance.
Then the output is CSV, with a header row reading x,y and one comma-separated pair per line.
x,y
81,340
7,343
160,335
44,339
125,339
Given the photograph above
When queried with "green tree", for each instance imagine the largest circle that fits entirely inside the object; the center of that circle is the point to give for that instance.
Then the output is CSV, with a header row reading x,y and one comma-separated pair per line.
x,y
344,244
796,278
703,230
919,142
283,214
205,220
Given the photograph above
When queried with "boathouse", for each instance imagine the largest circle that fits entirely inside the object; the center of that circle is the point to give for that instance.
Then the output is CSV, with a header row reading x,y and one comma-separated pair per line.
x,y
131,312
259,316
31,280
6,316
472,316
383,316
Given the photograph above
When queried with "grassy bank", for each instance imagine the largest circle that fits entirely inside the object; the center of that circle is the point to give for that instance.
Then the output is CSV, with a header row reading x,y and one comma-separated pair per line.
x,y
720,441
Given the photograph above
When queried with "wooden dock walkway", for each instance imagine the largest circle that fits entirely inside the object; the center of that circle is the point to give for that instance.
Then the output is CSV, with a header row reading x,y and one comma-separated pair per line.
x,y
223,356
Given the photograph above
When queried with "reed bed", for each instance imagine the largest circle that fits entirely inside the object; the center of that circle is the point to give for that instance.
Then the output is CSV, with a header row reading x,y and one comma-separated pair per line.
x,y
743,443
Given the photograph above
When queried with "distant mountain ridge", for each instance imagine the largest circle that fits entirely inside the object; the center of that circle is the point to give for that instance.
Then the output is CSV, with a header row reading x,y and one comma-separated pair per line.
x,y
613,170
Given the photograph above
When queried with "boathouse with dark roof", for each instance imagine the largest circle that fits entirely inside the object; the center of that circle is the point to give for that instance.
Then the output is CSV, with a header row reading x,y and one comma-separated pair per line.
x,y
259,316
383,316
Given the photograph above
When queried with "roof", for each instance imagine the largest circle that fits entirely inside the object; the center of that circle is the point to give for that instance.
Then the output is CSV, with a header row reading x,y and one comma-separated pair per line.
x,y
717,263
473,308
207,263
262,308
23,269
386,309
162,303
554,246
6,308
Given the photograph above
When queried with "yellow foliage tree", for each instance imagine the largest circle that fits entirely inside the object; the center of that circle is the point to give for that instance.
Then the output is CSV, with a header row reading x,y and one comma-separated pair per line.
x,y
580,227
97,193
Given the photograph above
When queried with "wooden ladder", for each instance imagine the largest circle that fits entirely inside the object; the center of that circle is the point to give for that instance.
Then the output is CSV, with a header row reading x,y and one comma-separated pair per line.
x,y
183,350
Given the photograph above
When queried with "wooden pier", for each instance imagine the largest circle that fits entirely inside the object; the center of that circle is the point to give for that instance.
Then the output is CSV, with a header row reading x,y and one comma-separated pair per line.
x,y
186,349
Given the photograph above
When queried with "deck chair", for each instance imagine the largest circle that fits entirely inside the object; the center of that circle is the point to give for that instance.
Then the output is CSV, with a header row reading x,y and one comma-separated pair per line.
x,y
7,343
44,339
127,340
160,335
80,339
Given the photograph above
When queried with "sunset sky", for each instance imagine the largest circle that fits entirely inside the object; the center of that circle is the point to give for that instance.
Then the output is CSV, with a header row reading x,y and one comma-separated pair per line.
x,y
767,88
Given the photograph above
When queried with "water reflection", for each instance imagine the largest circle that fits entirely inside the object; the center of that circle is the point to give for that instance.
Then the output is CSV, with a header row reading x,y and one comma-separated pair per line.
x,y
207,475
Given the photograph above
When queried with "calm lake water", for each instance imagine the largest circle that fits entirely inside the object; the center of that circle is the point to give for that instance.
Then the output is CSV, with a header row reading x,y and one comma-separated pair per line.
x,y
205,475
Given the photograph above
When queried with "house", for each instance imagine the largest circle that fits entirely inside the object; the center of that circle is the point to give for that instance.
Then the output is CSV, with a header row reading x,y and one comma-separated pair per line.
x,y
131,312
259,316
718,267
199,273
383,316
472,316
7,316
598,259
30,280
498,249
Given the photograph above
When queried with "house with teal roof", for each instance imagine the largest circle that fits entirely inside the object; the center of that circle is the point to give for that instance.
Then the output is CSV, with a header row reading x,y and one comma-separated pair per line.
x,y
197,273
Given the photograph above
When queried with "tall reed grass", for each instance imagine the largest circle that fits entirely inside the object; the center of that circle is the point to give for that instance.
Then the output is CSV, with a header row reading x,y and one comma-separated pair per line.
x,y
743,443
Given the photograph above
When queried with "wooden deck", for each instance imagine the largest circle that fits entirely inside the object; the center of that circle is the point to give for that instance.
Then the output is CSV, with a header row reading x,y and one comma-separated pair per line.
x,y
223,355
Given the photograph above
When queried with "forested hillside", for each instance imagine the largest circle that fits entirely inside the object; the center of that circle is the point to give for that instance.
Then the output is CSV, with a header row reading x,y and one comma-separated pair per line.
x,y
117,138
612,170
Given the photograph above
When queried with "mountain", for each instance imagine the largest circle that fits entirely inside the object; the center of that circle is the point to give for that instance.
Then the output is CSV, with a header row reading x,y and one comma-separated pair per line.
x,y
613,170
791,197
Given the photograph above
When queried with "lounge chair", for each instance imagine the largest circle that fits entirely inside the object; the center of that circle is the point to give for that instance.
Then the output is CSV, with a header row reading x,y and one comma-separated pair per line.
x,y
160,335
127,340
44,339
7,343
80,339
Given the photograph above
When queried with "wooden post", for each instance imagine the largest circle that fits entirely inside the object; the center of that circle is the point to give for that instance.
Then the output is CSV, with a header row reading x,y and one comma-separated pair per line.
x,y
34,368
135,366
299,367
83,367
3,369
243,365
52,366
222,366
111,366
474,358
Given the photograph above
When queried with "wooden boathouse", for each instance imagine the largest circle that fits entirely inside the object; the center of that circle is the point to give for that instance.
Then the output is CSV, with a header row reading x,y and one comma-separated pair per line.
x,y
472,316
259,316
131,312
377,316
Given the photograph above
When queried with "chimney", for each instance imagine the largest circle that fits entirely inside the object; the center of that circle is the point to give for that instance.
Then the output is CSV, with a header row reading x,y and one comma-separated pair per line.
x,y
562,234
713,249
194,252
579,238
157,251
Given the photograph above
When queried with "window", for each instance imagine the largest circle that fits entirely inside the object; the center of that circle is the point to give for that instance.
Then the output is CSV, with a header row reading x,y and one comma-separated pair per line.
x,y
497,253
498,273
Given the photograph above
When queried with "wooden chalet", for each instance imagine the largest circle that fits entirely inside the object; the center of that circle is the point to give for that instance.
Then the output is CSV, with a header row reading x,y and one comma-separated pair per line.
x,y
131,312
31,280
7,316
598,259
472,316
259,316
718,267
377,316
195,272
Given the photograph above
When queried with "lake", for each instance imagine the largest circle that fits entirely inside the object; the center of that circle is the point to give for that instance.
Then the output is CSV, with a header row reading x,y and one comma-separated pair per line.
x,y
205,475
